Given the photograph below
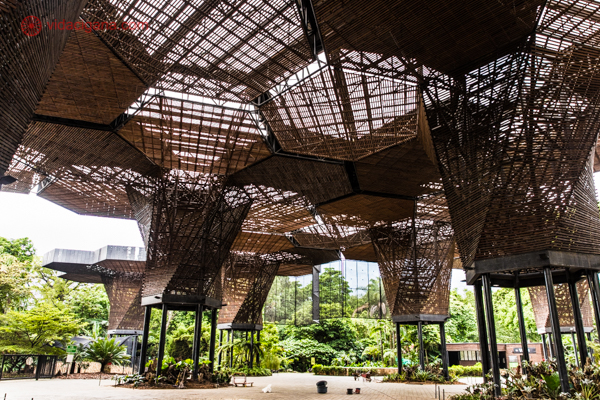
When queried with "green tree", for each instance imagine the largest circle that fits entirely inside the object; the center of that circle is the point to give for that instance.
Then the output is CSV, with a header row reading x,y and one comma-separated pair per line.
x,y
38,330
90,304
15,280
334,293
461,327
21,248
505,315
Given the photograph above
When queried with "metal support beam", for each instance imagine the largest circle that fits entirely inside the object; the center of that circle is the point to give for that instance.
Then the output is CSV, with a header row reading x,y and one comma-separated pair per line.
x,y
555,324
483,339
231,349
551,346
145,334
134,353
421,346
213,339
522,327
220,345
399,347
578,319
592,278
544,348
196,343
444,351
491,324
251,347
162,340
257,353
575,348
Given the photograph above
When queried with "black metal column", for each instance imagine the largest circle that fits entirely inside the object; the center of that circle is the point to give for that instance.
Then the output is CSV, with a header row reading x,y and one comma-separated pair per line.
x,y
257,353
134,353
196,343
575,348
251,347
483,339
592,277
444,351
421,346
220,345
213,339
231,349
144,349
544,349
491,324
522,327
555,324
399,347
162,340
578,319
551,346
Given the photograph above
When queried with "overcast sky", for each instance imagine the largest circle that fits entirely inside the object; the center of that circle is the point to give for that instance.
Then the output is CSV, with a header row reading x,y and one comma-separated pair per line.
x,y
50,226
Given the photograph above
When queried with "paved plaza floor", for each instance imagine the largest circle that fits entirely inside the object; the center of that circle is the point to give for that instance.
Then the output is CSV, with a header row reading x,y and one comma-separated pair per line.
x,y
284,385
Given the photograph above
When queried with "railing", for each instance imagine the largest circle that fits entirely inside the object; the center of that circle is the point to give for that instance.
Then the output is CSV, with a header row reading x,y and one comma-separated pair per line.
x,y
27,366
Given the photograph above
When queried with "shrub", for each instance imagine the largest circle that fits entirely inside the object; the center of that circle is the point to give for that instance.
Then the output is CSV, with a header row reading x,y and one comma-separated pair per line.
x,y
256,371
106,351
462,370
316,368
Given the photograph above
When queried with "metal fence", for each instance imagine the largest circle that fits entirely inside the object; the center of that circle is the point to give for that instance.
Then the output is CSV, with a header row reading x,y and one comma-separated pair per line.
x,y
27,366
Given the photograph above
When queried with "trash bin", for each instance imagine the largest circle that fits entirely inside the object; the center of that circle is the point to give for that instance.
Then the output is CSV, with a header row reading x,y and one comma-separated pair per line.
x,y
322,387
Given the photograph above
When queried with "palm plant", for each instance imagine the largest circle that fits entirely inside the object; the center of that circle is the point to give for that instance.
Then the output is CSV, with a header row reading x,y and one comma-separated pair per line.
x,y
106,351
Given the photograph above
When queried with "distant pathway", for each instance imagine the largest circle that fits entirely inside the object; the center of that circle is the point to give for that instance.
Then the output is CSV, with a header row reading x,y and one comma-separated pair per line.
x,y
284,385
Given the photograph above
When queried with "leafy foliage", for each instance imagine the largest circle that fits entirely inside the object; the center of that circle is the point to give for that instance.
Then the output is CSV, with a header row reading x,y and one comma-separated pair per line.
x,y
106,351
38,330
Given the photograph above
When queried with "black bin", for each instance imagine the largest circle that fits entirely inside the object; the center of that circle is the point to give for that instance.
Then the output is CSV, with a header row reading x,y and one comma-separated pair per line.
x,y
322,387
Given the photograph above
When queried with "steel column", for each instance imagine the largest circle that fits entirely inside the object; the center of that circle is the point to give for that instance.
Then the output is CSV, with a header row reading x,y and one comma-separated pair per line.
x,y
491,324
551,346
220,345
257,353
544,349
399,347
134,353
251,348
196,343
575,348
444,351
213,339
231,349
162,340
555,323
483,339
581,345
144,349
421,346
592,277
522,327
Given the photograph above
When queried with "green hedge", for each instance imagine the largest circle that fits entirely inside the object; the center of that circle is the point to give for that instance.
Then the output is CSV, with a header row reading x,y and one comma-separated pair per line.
x,y
462,371
319,369
252,372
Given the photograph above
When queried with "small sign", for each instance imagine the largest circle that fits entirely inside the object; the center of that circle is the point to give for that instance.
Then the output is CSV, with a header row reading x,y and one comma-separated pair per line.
x,y
519,350
71,349
312,361
70,358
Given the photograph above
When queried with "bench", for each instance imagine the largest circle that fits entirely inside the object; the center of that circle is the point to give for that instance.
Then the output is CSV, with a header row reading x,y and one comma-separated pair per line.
x,y
239,380
366,377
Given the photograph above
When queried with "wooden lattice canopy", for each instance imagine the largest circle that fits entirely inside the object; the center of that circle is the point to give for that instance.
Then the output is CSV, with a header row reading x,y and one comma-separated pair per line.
x,y
293,126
